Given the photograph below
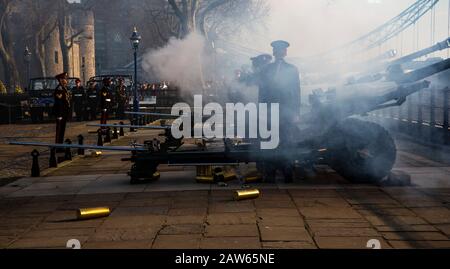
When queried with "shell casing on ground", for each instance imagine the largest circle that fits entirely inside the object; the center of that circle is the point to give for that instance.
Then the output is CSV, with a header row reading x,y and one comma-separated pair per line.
x,y
156,176
201,179
205,174
246,194
93,213
252,179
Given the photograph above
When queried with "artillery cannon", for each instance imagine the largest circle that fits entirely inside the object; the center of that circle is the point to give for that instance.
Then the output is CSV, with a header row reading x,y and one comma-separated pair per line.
x,y
330,133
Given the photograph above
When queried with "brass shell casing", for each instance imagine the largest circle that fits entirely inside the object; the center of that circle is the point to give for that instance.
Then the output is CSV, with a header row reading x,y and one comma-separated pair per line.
x,y
93,213
204,174
246,194
252,179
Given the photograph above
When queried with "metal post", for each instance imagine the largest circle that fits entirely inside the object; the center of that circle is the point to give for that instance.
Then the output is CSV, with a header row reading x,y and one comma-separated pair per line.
x,y
107,136
35,170
68,151
446,114
136,100
446,108
115,134
80,142
53,163
121,130
99,137
419,114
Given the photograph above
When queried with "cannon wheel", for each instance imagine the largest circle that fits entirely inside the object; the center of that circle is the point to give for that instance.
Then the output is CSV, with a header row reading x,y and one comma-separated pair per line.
x,y
362,152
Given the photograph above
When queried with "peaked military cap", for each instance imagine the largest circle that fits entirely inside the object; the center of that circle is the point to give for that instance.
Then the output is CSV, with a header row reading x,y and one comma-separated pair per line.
x,y
280,44
62,76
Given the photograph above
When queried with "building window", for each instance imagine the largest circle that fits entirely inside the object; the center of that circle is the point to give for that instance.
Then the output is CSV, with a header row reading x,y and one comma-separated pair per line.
x,y
83,62
56,57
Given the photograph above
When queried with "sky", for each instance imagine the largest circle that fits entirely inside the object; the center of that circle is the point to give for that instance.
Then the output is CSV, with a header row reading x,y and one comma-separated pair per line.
x,y
313,26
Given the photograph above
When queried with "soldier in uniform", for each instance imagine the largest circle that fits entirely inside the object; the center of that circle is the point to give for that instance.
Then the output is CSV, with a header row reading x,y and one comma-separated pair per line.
x,y
253,78
91,102
105,100
61,107
78,99
280,83
121,99
258,64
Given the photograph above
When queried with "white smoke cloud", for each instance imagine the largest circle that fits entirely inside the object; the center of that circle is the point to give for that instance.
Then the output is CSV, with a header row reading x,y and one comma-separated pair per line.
x,y
181,62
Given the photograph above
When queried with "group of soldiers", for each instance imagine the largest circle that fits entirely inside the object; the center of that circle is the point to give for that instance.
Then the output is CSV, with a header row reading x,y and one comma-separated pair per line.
x,y
87,103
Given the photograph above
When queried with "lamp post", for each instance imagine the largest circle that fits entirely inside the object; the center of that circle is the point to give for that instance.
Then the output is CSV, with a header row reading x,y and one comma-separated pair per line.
x,y
135,40
27,59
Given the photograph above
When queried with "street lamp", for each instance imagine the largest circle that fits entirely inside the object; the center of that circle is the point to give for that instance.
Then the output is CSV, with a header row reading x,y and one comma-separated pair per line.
x,y
27,59
135,40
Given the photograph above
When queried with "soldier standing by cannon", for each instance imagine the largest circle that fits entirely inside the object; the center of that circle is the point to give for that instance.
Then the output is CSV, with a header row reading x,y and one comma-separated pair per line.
x,y
258,64
61,107
105,100
280,83
121,99
78,100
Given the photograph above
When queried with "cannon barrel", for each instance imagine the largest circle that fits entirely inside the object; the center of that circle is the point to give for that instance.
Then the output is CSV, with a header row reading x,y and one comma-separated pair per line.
x,y
425,72
372,72
438,47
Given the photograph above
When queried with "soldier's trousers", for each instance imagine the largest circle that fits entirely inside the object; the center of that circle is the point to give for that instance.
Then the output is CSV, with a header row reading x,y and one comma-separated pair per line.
x,y
79,113
104,117
120,113
60,129
91,113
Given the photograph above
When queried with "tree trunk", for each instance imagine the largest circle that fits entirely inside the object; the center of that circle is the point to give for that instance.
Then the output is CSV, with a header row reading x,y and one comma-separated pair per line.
x,y
39,54
10,67
62,26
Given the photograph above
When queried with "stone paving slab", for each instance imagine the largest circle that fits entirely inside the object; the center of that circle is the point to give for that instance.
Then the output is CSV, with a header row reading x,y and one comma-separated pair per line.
x,y
241,230
348,242
175,212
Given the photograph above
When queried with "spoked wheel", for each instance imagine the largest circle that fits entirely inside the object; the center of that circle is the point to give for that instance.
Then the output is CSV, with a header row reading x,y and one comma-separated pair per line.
x,y
362,152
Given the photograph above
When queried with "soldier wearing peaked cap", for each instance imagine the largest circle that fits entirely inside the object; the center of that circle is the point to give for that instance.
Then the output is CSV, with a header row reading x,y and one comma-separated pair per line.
x,y
280,83
78,99
91,101
61,107
121,99
258,64
105,98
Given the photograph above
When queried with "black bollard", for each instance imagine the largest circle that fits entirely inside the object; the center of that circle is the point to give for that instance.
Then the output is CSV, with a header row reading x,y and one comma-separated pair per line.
x,y
100,137
35,170
133,122
68,151
121,131
115,134
52,162
80,142
108,135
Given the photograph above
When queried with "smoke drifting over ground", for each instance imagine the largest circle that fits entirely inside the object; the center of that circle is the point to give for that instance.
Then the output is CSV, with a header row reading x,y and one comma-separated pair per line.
x,y
180,62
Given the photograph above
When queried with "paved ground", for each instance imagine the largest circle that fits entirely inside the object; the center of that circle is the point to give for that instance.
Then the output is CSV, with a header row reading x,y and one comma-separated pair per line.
x,y
15,161
176,212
